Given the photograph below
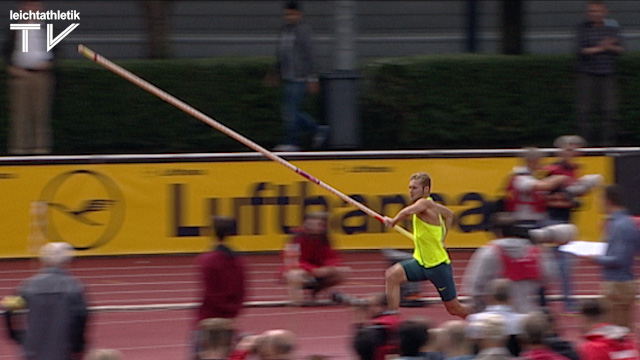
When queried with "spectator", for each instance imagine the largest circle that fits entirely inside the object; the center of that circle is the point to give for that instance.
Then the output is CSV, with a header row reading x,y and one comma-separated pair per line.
x,y
217,338
623,239
414,335
433,349
491,338
296,68
58,313
31,87
604,341
221,274
319,266
555,342
455,341
513,256
526,194
562,200
499,303
535,328
366,343
104,354
373,313
599,44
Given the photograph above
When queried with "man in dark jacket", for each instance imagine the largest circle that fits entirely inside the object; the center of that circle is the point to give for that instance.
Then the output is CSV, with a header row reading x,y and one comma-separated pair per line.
x,y
296,68
57,313
599,44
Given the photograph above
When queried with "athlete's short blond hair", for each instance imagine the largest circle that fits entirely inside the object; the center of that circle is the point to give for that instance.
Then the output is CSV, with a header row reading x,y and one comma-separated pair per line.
x,y
423,178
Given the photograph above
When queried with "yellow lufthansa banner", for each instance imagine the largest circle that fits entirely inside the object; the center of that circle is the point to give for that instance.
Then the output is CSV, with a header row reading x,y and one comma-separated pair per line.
x,y
135,208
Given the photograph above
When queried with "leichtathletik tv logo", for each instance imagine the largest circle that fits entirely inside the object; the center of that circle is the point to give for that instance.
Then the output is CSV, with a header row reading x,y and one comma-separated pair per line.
x,y
27,21
84,208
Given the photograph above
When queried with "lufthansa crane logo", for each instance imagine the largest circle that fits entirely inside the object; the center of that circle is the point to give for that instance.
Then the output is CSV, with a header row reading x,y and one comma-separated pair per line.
x,y
85,209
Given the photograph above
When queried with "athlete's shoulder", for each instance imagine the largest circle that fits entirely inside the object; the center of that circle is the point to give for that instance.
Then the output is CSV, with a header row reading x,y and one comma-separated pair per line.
x,y
425,202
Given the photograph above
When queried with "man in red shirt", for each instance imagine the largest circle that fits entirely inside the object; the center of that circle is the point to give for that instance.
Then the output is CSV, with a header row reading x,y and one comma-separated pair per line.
x,y
222,275
318,266
605,341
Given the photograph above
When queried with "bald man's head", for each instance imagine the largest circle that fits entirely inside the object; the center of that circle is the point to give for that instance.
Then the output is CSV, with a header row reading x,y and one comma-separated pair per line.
x,y
277,344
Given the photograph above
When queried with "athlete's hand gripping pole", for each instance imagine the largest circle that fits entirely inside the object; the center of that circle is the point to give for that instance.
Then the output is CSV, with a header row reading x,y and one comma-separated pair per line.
x,y
91,55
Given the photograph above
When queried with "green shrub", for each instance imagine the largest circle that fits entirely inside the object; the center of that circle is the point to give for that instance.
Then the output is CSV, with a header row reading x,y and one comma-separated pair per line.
x,y
453,101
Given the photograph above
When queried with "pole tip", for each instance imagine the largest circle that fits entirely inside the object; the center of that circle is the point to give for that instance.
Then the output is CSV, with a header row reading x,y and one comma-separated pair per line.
x,y
80,48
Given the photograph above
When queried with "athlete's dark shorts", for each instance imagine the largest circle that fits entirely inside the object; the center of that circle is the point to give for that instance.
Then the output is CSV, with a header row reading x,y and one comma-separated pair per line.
x,y
440,275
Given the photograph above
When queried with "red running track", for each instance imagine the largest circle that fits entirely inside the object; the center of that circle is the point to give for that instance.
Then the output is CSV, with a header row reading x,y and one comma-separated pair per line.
x,y
163,334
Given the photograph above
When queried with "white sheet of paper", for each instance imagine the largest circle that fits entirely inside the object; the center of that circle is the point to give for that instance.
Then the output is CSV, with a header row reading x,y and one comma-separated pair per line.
x,y
584,248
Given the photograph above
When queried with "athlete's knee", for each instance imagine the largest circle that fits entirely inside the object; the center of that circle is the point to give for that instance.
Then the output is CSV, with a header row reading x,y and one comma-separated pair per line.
x,y
394,274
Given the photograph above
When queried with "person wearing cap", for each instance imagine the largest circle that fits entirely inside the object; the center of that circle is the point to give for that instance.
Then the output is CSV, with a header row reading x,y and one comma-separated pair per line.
x,y
58,313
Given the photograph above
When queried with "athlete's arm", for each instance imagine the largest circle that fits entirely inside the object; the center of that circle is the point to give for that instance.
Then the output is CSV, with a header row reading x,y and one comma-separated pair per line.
x,y
446,214
418,207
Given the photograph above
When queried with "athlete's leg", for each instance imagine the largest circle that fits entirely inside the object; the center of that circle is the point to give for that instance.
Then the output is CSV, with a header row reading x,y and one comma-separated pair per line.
x,y
454,307
394,276
442,278
329,276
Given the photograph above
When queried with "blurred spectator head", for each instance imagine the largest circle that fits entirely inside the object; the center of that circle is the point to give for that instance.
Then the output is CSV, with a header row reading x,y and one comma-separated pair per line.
x,y
596,11
613,198
593,311
414,334
498,291
277,345
490,330
223,226
568,145
56,254
316,222
531,157
365,342
535,328
292,12
454,336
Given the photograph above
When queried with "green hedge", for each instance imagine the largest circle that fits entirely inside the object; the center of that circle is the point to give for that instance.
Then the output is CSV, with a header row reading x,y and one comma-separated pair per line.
x,y
467,101
457,101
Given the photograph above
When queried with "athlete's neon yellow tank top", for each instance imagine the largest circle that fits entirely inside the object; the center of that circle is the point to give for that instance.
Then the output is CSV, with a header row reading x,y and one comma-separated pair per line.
x,y
429,250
